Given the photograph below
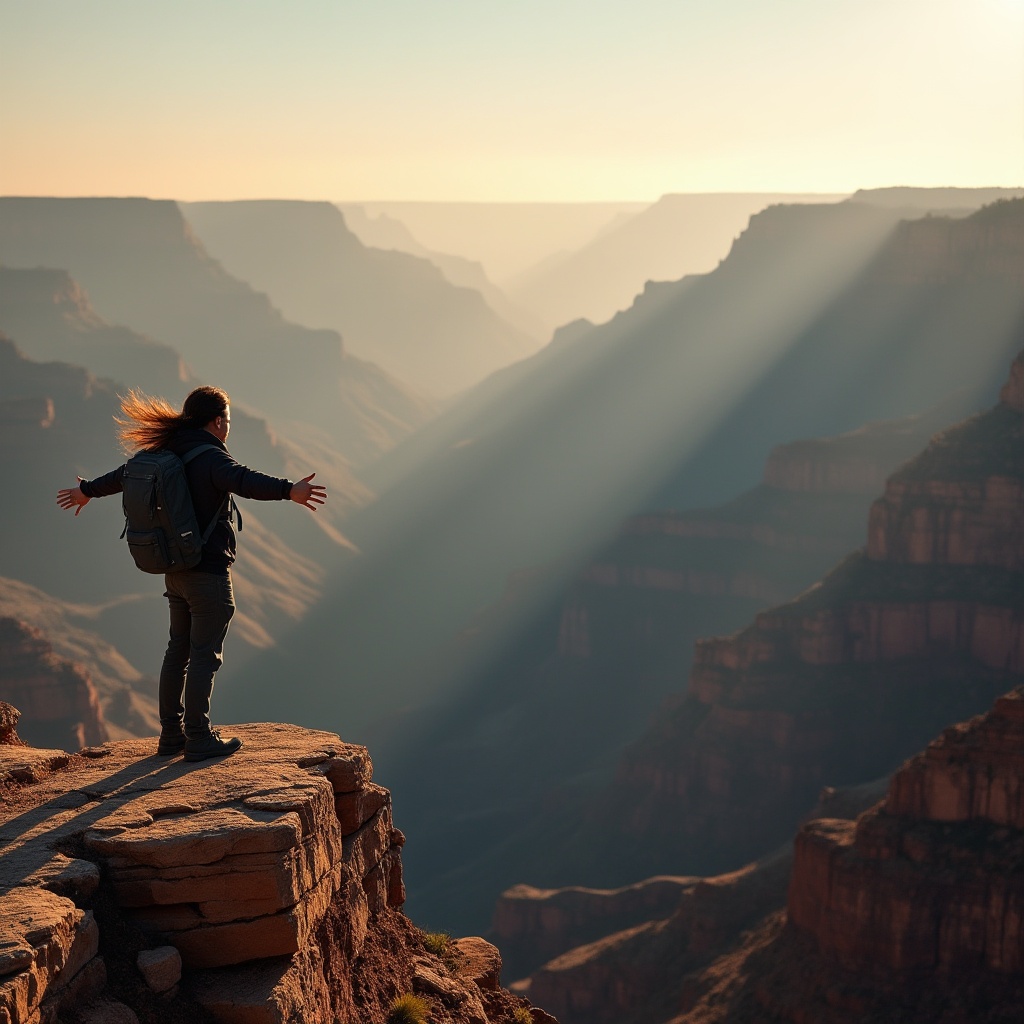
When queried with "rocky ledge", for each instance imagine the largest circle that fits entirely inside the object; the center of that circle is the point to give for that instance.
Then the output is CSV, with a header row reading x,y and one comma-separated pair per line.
x,y
265,888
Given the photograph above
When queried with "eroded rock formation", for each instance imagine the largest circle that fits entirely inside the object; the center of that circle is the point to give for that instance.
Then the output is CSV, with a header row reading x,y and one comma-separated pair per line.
x,y
58,700
275,874
915,912
924,627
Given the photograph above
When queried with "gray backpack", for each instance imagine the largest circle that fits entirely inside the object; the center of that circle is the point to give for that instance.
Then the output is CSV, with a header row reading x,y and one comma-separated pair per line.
x,y
159,517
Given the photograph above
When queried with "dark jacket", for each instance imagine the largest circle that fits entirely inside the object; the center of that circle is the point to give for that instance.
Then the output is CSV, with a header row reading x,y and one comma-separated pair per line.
x,y
211,477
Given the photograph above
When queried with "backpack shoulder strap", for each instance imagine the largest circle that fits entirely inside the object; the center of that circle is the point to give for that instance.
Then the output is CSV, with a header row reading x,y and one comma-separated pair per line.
x,y
198,450
185,460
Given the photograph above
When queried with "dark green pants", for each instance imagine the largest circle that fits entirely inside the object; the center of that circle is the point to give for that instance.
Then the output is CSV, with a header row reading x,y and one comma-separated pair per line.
x,y
201,605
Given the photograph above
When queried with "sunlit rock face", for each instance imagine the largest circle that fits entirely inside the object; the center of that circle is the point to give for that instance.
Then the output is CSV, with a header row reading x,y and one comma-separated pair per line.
x,y
924,627
57,697
276,875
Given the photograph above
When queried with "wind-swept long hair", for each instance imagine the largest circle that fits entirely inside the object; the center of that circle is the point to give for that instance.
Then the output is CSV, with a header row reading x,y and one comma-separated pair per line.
x,y
150,423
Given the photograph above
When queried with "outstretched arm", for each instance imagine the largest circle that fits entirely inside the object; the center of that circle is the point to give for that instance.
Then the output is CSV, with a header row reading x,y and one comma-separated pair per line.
x,y
309,494
72,497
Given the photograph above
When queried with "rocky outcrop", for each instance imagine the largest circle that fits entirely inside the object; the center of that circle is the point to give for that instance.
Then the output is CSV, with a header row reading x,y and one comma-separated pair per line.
x,y
924,627
938,250
276,875
914,912
60,705
9,716
932,878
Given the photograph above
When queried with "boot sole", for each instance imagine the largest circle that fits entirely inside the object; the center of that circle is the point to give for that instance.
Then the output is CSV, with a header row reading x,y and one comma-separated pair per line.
x,y
206,757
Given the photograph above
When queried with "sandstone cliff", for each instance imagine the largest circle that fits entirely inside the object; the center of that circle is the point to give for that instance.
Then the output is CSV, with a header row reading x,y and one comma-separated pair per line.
x,y
915,912
60,704
263,888
922,628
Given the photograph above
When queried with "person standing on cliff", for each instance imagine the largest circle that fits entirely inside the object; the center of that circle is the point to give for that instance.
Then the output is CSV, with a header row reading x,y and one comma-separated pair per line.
x,y
201,598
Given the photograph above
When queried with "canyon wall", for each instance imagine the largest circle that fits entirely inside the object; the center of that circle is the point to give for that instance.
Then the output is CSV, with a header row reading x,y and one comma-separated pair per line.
x,y
59,701
914,912
263,888
924,627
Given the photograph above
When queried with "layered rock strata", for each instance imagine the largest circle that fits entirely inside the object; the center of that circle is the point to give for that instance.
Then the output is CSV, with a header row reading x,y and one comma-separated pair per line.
x,y
915,912
933,877
275,874
57,697
924,627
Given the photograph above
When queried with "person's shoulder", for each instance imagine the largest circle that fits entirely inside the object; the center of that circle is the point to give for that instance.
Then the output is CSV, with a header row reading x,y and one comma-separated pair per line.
x,y
188,440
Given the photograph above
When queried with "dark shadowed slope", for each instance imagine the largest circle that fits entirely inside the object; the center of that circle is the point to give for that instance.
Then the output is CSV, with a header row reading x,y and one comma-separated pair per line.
x,y
141,266
679,401
393,308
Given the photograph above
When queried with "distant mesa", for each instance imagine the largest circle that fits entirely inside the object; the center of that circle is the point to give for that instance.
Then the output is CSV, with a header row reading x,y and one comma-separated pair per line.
x,y
142,266
676,236
392,308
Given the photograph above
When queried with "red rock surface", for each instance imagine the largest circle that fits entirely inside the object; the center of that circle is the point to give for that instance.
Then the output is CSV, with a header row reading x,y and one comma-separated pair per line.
x,y
923,628
933,878
276,874
915,912
59,703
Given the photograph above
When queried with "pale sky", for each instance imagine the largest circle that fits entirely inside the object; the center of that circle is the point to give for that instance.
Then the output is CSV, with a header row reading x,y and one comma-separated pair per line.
x,y
529,100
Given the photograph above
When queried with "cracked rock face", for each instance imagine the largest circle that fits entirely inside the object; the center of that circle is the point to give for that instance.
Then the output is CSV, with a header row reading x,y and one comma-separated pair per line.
x,y
269,882
226,861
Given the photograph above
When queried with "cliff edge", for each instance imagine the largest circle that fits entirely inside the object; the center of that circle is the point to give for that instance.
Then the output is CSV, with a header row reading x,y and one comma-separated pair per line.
x,y
262,888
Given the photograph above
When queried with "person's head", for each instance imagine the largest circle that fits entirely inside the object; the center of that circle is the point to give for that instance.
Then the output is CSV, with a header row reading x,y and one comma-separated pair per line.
x,y
210,408
151,423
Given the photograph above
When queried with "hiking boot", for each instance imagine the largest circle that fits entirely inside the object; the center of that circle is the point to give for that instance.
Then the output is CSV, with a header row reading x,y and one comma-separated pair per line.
x,y
171,743
201,748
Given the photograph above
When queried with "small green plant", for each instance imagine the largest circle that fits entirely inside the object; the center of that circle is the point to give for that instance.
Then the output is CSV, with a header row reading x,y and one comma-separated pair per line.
x,y
443,946
409,1009
439,943
521,1015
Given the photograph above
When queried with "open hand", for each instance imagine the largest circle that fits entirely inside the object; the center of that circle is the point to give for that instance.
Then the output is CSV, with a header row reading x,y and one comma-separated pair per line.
x,y
306,493
72,497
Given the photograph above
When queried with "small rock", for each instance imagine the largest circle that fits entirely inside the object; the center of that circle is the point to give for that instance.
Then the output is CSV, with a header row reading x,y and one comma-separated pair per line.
x,y
480,963
106,1011
161,967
